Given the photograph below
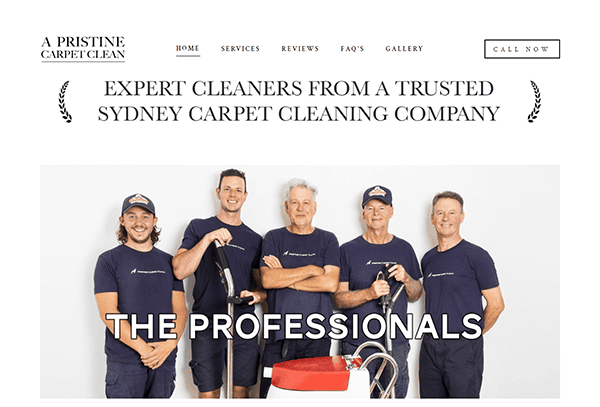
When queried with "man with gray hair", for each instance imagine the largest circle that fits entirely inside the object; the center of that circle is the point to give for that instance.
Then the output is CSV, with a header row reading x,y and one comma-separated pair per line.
x,y
300,268
457,274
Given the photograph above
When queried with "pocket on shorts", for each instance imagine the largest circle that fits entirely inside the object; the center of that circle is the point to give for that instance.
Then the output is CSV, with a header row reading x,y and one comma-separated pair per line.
x,y
113,387
111,378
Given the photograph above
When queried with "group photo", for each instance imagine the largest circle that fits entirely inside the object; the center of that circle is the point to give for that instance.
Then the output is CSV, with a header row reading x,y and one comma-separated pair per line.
x,y
435,264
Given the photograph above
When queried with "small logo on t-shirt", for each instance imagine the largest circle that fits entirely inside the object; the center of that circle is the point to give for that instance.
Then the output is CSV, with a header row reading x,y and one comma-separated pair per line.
x,y
287,253
439,274
370,262
237,247
136,271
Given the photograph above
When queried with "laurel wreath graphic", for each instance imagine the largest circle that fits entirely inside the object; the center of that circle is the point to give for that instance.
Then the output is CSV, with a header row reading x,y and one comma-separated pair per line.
x,y
61,103
538,102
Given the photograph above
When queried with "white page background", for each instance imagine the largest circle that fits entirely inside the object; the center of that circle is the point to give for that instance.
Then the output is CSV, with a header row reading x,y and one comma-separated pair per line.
x,y
521,358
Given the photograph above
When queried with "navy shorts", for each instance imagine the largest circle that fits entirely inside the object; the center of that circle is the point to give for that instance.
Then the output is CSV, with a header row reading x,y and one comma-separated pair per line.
x,y
399,353
450,368
209,357
134,380
282,351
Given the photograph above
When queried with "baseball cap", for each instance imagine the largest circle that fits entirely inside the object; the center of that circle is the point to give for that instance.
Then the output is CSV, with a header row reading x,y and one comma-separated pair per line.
x,y
377,192
138,200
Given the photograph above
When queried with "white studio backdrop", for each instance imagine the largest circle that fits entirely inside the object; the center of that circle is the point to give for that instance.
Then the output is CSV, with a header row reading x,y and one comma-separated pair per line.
x,y
511,211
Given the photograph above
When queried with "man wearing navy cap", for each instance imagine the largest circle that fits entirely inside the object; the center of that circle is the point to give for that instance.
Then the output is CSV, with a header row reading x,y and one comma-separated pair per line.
x,y
457,274
362,259
135,281
197,255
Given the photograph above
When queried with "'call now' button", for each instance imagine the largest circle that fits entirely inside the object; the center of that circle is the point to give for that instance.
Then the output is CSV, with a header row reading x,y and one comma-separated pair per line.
x,y
521,49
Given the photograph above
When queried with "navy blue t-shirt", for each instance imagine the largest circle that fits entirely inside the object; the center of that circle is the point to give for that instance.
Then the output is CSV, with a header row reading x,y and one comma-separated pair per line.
x,y
144,283
243,253
320,248
453,281
361,262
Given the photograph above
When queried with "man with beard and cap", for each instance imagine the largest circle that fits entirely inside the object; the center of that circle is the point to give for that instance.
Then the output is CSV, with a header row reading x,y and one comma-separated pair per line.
x,y
135,281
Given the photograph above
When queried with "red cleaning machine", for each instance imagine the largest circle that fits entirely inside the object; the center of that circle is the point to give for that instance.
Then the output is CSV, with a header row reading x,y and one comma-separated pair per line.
x,y
339,376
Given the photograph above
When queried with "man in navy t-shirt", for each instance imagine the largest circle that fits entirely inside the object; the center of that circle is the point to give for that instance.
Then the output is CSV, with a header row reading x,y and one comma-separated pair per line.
x,y
456,274
300,268
197,255
135,281
359,289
